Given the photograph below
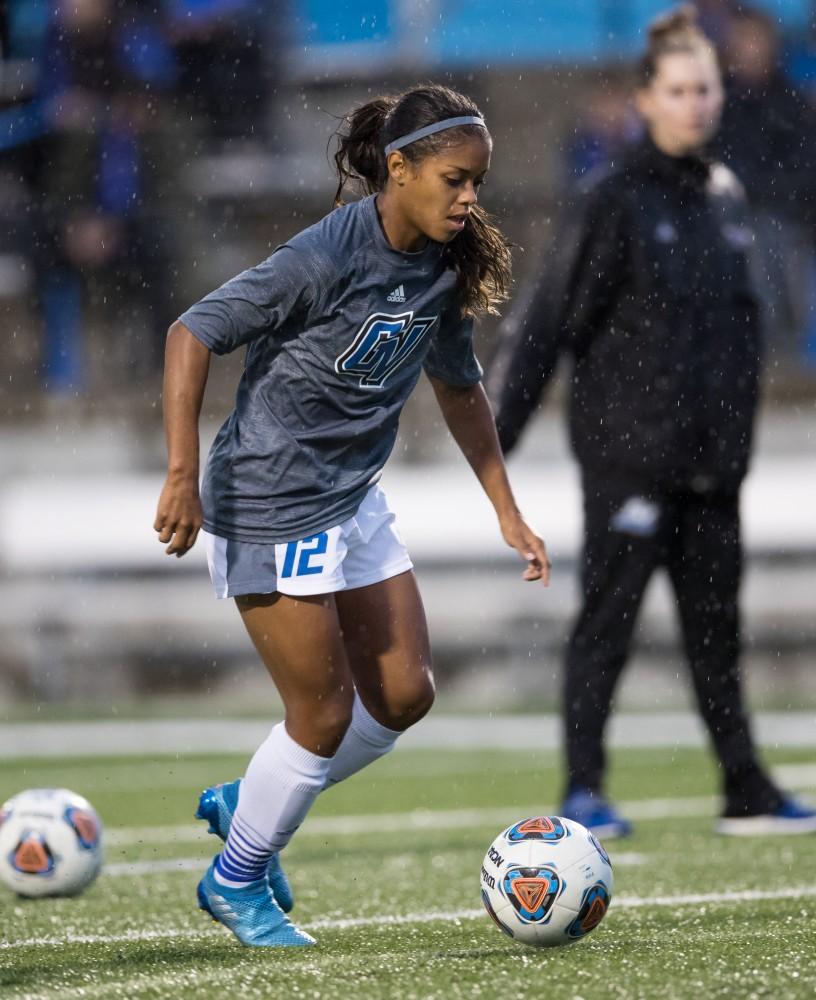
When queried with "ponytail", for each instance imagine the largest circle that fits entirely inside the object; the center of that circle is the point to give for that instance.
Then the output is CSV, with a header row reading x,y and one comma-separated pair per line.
x,y
359,157
479,255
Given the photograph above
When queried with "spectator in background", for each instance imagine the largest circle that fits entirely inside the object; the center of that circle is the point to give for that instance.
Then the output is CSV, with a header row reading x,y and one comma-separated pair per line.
x,y
605,127
85,139
22,25
715,17
649,291
768,137
800,61
767,131
229,57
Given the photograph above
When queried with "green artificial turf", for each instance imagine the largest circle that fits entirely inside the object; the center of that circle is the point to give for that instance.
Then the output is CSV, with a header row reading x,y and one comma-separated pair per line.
x,y
396,852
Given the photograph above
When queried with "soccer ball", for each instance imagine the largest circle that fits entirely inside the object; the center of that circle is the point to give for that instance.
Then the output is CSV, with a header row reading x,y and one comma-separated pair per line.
x,y
50,843
546,881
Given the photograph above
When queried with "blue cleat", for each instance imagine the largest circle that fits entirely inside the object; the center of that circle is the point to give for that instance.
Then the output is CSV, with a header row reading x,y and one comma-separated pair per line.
x,y
792,816
592,810
250,912
217,805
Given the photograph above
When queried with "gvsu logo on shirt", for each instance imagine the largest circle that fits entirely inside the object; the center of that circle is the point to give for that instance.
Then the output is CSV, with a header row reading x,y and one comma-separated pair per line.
x,y
382,345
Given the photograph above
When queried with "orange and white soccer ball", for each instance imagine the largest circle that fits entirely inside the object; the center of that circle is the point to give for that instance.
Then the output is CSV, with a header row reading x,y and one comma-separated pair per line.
x,y
546,881
50,843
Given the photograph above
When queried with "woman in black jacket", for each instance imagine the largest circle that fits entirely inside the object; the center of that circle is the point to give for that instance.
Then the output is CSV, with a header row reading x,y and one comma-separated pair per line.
x,y
649,291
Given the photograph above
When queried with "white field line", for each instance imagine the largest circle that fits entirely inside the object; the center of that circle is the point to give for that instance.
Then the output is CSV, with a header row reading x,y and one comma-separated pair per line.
x,y
119,868
419,819
434,916
427,819
789,775
624,859
796,775
620,902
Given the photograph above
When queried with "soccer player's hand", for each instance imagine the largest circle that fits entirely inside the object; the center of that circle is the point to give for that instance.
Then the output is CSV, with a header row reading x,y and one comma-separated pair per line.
x,y
521,537
179,517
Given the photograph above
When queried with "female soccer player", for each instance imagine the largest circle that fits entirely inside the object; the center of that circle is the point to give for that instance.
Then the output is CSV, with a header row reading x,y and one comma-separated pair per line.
x,y
651,295
338,323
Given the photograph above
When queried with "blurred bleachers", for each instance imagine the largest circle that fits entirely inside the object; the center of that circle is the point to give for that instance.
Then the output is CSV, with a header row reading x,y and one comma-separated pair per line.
x,y
92,610
215,140
218,131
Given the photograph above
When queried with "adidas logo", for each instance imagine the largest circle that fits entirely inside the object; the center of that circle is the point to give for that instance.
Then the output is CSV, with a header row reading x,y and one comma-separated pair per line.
x,y
223,909
398,295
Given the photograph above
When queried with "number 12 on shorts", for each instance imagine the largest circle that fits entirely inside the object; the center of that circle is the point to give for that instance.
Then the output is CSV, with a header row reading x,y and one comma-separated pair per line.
x,y
297,560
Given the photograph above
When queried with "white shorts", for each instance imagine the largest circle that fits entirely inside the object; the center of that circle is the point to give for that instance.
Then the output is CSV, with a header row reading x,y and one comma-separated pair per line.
x,y
365,549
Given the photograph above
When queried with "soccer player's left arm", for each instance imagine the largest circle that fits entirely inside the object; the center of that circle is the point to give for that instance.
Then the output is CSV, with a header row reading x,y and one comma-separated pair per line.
x,y
469,418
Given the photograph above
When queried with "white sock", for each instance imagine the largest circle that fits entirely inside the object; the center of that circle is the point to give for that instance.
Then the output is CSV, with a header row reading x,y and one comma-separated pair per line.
x,y
365,741
281,783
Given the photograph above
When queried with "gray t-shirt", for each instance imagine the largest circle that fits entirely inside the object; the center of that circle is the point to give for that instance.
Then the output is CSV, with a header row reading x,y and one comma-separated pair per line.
x,y
338,327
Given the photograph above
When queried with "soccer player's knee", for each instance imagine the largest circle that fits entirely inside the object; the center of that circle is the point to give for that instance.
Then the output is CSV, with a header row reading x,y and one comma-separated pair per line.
x,y
331,717
425,695
411,703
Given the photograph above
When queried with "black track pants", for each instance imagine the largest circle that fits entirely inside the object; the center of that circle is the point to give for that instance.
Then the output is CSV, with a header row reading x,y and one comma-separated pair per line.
x,y
627,535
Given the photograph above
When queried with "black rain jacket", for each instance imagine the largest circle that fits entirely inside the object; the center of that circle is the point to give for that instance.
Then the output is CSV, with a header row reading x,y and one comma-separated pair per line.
x,y
648,288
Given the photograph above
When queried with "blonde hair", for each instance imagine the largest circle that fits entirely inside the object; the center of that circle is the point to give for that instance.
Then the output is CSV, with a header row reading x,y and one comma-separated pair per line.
x,y
676,31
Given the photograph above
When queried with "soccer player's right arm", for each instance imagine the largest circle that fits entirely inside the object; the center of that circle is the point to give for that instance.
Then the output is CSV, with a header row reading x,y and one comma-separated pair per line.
x,y
187,365
252,304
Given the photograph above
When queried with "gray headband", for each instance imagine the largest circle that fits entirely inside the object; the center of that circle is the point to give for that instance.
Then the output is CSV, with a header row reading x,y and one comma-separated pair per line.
x,y
420,133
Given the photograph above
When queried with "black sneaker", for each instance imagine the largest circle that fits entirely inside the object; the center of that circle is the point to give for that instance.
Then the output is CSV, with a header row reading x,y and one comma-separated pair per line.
x,y
790,817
